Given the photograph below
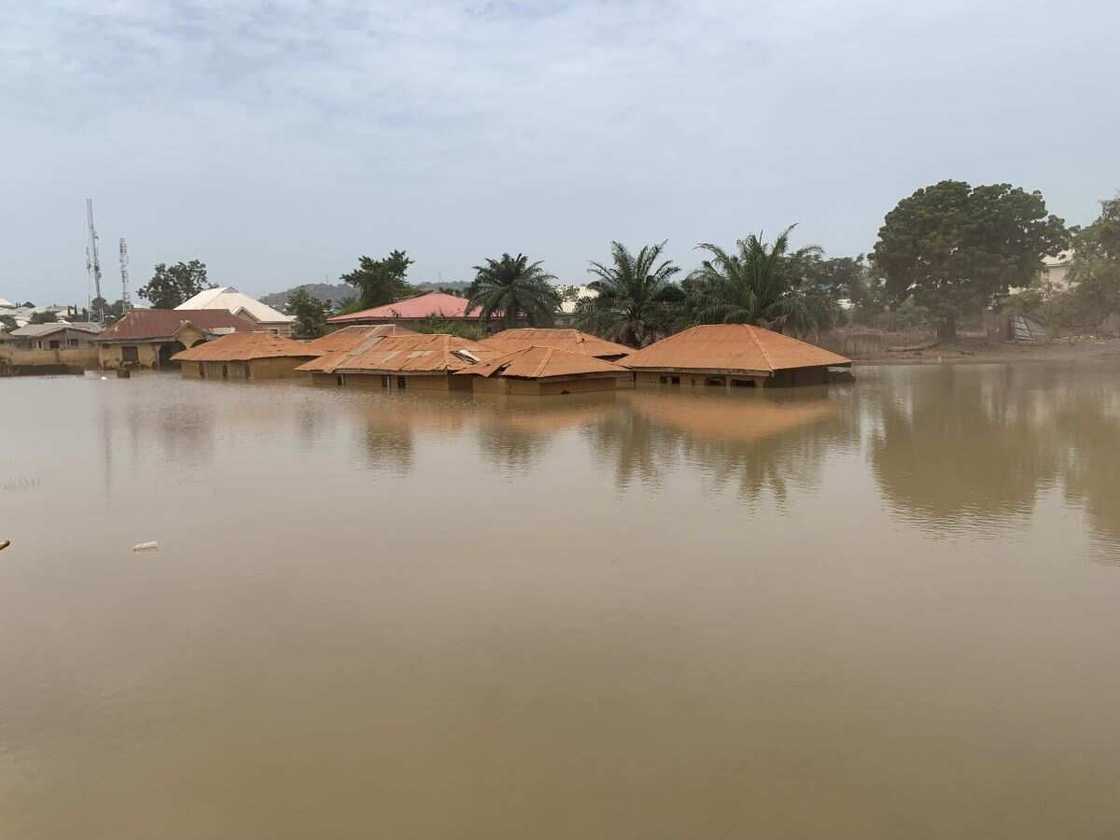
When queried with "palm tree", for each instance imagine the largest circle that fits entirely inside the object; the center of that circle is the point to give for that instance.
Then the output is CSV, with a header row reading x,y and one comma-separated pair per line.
x,y
635,296
515,290
759,284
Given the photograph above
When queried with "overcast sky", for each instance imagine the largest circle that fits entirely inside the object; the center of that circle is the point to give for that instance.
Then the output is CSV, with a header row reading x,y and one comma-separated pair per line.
x,y
278,141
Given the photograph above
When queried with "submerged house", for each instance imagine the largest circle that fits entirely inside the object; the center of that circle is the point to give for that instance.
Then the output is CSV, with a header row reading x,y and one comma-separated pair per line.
x,y
540,371
566,339
149,338
347,338
244,356
228,298
397,362
732,355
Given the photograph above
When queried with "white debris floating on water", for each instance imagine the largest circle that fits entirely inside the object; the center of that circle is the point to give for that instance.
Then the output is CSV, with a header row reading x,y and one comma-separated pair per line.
x,y
146,546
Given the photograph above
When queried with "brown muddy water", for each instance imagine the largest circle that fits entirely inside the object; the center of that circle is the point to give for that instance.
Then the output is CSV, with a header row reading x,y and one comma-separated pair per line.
x,y
884,610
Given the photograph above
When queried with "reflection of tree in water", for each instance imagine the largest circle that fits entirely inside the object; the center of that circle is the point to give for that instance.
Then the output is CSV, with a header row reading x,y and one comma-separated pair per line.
x,y
389,447
1089,423
980,443
762,441
961,442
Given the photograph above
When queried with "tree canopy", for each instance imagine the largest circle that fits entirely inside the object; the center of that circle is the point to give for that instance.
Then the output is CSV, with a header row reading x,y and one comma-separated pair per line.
x,y
382,281
636,296
514,290
47,317
1096,262
767,285
175,284
310,314
953,248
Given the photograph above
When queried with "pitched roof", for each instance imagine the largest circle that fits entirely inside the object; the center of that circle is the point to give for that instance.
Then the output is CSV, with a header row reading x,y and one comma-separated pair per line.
x,y
139,324
430,305
530,362
347,338
731,347
243,347
228,298
40,330
417,353
573,341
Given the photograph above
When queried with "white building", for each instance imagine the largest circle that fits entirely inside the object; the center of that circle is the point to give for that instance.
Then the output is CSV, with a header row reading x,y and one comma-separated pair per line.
x,y
228,298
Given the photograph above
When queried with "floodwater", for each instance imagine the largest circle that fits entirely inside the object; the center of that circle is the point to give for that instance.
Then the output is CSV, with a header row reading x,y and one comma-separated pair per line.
x,y
889,609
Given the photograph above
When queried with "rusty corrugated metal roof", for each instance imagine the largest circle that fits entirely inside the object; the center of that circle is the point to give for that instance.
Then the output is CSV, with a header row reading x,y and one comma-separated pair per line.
x,y
350,337
571,340
243,347
138,324
735,347
543,363
416,353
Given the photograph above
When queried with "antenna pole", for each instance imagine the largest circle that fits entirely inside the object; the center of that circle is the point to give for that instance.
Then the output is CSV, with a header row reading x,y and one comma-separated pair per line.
x,y
98,301
126,304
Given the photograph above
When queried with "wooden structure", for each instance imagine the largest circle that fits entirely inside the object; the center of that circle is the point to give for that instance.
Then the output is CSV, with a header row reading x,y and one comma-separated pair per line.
x,y
566,339
399,362
543,371
149,338
244,356
730,356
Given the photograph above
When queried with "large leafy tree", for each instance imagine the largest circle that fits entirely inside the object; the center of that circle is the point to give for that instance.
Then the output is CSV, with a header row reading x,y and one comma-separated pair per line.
x,y
953,248
382,281
1096,263
515,291
172,285
636,296
767,285
310,314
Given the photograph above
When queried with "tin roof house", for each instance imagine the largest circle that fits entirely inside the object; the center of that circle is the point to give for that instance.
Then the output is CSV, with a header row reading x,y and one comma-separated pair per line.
x,y
244,356
238,303
732,355
542,371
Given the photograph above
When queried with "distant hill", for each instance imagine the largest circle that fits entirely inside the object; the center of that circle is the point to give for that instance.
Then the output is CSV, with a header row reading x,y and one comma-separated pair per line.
x,y
340,291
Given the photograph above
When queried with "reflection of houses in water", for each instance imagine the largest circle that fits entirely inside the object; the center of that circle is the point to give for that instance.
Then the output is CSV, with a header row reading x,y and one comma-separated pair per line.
x,y
760,441
515,432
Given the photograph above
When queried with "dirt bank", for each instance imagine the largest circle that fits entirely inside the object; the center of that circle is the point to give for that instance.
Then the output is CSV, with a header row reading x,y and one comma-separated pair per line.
x,y
985,351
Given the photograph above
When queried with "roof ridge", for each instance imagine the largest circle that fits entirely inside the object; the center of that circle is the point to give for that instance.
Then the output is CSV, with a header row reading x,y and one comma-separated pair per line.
x,y
548,351
758,344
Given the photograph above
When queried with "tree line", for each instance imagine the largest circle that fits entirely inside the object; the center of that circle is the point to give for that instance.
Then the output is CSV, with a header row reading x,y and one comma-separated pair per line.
x,y
943,254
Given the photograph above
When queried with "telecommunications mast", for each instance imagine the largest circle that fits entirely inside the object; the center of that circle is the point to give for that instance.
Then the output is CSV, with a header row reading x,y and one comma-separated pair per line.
x,y
95,260
126,304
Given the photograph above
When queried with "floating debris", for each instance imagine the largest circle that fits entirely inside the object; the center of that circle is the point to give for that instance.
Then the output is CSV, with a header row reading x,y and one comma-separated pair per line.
x,y
4,544
146,546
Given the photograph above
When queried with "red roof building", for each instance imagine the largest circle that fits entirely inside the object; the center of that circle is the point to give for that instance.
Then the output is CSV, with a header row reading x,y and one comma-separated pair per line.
x,y
422,307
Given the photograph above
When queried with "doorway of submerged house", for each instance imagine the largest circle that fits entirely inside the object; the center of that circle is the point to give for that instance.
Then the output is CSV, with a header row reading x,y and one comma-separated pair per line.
x,y
166,351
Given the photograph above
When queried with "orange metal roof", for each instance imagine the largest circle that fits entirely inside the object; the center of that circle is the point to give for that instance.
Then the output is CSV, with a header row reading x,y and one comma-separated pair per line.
x,y
430,305
543,363
573,341
731,347
350,337
416,353
244,346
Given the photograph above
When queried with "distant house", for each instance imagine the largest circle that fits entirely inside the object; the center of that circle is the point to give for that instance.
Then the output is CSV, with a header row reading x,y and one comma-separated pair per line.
x,y
244,356
569,340
543,371
39,348
228,298
578,293
433,305
55,336
732,355
1055,271
148,338
398,362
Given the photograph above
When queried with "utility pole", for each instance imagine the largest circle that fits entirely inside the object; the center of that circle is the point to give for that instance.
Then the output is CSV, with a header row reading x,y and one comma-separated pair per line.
x,y
98,301
126,304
